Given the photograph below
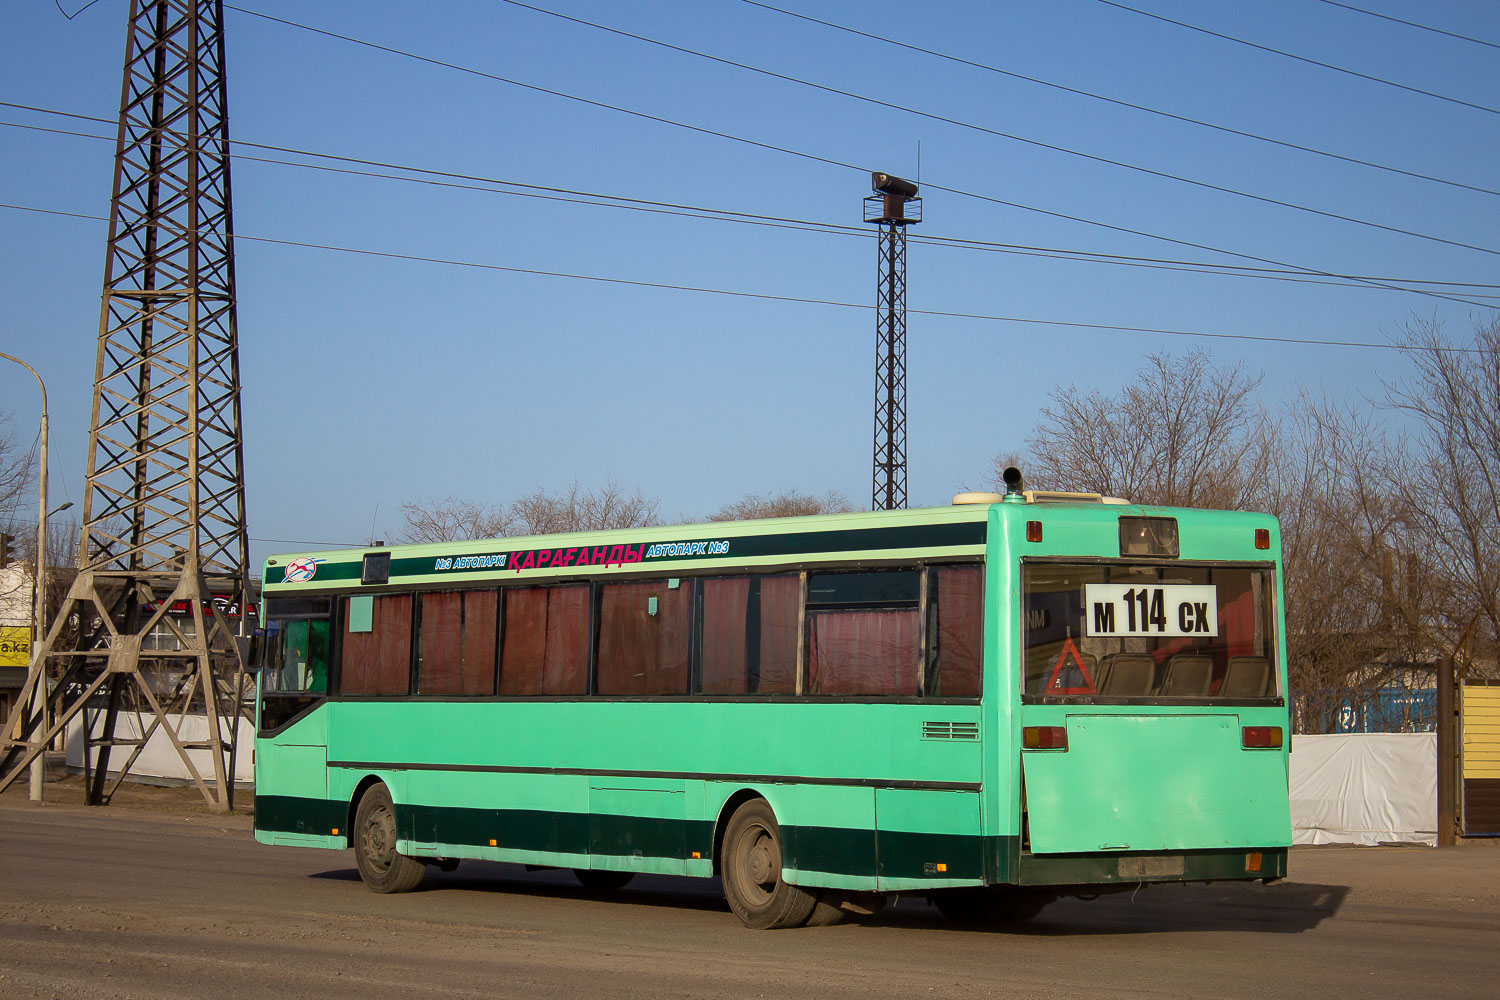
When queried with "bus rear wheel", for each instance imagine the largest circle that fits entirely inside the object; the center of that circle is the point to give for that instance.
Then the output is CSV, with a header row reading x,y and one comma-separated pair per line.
x,y
750,863
381,866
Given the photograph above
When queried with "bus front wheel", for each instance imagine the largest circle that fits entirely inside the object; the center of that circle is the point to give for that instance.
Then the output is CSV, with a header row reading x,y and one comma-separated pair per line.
x,y
750,864
381,866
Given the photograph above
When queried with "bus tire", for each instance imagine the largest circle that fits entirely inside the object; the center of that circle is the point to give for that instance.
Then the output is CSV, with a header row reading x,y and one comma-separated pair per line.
x,y
828,910
381,866
991,904
750,865
602,879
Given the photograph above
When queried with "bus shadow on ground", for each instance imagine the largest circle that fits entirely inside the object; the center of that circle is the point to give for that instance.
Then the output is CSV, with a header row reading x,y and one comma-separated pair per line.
x,y
1265,909
492,877
1284,908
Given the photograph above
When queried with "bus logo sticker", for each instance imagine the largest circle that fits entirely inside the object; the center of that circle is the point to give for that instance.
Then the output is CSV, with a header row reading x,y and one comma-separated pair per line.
x,y
301,570
1169,609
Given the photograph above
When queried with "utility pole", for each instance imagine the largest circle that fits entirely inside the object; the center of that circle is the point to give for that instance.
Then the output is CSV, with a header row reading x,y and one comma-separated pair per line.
x,y
893,205
39,582
1447,756
164,501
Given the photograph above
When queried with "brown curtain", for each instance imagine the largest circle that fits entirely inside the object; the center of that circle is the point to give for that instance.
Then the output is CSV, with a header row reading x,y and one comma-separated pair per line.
x,y
524,646
749,643
440,660
480,608
863,652
641,653
457,643
566,670
546,646
780,603
723,654
379,661
960,632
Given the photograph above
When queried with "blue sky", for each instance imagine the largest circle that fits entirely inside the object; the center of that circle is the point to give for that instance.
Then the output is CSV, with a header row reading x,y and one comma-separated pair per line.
x,y
370,380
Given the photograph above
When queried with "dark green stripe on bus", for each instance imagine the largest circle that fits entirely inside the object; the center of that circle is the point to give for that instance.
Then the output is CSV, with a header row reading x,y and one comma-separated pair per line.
x,y
890,854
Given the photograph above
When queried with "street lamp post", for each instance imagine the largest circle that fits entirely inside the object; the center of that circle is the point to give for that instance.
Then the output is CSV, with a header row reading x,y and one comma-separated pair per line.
x,y
38,621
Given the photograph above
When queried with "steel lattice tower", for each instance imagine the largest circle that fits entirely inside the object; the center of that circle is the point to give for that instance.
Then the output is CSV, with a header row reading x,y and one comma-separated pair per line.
x,y
164,507
893,206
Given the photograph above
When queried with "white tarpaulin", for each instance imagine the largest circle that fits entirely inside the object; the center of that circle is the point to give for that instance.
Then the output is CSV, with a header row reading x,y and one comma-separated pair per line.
x,y
1364,788
159,758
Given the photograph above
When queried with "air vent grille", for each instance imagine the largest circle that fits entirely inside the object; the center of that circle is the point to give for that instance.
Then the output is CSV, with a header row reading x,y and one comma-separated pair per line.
x,y
950,730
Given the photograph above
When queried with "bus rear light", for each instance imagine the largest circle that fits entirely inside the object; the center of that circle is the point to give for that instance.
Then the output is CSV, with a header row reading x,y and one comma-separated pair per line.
x,y
1253,861
1044,738
1262,538
1261,737
1033,531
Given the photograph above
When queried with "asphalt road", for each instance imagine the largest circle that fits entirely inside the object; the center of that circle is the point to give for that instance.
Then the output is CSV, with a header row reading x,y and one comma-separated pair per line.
x,y
122,902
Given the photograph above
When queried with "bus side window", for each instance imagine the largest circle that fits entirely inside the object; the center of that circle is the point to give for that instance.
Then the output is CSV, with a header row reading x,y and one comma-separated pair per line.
x,y
955,631
863,633
545,640
456,644
645,631
297,657
749,635
377,655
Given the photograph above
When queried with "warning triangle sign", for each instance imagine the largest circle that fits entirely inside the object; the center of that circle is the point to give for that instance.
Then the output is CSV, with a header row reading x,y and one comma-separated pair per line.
x,y
1069,678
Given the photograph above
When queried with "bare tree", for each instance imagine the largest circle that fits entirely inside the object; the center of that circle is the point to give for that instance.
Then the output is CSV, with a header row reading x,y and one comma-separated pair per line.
x,y
575,507
1454,393
1362,592
787,503
1185,432
451,520
581,508
17,479
18,520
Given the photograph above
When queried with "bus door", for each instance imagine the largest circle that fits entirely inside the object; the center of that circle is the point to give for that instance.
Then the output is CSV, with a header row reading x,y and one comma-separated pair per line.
x,y
1151,718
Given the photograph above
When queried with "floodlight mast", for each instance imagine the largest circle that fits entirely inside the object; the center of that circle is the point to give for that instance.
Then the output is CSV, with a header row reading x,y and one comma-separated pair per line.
x,y
164,501
893,205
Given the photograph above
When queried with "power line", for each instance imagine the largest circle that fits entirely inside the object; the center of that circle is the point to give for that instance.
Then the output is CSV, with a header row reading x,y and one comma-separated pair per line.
x,y
73,523
1128,104
764,296
1412,24
1040,144
483,185
1367,282
599,200
813,157
1303,59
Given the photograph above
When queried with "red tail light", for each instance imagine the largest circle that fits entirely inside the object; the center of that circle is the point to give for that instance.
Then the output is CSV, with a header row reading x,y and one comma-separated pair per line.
x,y
1044,738
1262,538
1261,737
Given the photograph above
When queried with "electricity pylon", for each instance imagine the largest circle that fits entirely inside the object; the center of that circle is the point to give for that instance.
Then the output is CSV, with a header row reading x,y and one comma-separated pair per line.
x,y
164,501
893,205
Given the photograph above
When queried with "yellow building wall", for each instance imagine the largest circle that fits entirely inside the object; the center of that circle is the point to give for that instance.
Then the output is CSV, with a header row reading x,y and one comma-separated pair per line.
x,y
1481,731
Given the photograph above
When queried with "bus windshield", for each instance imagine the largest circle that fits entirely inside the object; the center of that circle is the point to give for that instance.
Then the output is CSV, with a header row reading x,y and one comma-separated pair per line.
x,y
1118,632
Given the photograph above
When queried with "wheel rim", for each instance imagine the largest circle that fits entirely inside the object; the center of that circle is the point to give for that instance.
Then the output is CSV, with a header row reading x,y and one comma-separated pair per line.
x,y
759,867
377,838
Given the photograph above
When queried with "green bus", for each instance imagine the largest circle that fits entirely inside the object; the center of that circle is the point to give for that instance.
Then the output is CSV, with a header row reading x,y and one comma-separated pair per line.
x,y
991,704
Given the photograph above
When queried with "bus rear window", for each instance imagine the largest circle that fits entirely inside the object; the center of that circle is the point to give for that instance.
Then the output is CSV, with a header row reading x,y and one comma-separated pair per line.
x,y
1109,632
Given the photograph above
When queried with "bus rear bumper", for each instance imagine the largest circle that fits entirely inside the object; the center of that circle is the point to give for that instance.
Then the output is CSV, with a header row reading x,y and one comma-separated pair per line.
x,y
1136,867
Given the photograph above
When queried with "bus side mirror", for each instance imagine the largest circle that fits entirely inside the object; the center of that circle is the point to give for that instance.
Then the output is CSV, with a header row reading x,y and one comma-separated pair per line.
x,y
253,650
